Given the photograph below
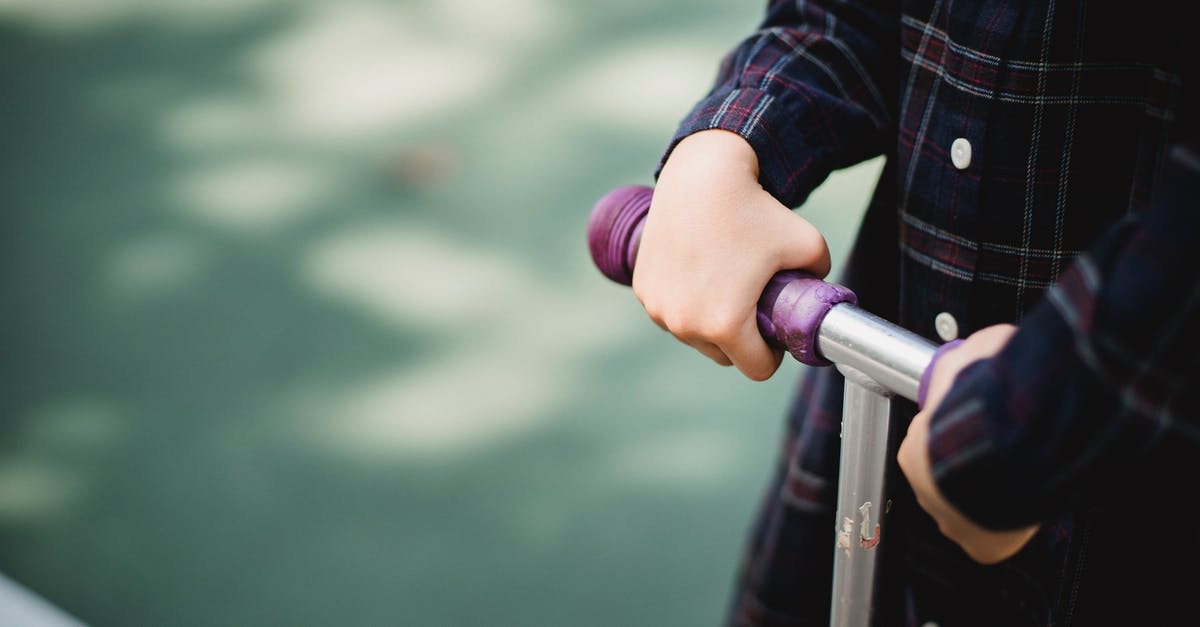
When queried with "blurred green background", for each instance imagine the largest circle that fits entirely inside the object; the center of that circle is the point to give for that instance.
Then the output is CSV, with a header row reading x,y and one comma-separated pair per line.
x,y
300,326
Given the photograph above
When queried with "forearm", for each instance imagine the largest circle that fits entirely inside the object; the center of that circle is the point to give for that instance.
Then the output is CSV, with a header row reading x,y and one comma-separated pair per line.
x,y
1100,375
809,91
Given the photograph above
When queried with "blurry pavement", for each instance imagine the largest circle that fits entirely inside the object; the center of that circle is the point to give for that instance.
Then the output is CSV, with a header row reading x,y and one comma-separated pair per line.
x,y
300,327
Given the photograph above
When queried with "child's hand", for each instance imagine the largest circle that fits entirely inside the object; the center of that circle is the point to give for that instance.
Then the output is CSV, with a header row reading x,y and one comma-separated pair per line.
x,y
983,545
713,238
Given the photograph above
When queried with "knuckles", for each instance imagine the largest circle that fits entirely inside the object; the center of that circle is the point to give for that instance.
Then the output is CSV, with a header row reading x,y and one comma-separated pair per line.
x,y
691,322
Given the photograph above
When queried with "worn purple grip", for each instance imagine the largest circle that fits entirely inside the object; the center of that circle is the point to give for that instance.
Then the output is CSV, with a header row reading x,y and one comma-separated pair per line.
x,y
923,387
791,307
615,229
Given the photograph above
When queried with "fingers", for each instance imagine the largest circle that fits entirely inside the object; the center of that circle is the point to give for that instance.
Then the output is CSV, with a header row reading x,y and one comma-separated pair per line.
x,y
911,453
710,350
989,340
983,545
982,344
986,546
750,352
993,547
727,339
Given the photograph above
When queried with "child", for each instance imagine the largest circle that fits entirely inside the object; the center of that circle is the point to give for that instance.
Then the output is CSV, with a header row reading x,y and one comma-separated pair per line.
x,y
1042,171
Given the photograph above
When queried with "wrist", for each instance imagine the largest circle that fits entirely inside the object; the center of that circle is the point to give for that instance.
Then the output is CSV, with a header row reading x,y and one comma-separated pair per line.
x,y
716,152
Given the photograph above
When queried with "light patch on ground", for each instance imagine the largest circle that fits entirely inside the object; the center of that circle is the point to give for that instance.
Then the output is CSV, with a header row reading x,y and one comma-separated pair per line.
x,y
404,274
646,86
56,446
76,424
642,89
33,489
347,71
679,458
508,22
338,79
469,399
254,195
540,523
76,15
155,265
509,360
217,122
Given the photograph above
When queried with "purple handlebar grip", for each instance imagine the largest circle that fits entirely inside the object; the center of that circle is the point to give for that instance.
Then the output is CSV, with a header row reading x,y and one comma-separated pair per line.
x,y
615,229
791,307
923,387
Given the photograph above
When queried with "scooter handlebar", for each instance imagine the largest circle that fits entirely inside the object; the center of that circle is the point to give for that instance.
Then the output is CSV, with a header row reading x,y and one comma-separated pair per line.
x,y
792,304
791,310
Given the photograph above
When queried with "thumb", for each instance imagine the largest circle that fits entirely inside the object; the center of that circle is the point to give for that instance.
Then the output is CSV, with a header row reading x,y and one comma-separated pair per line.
x,y
800,245
751,354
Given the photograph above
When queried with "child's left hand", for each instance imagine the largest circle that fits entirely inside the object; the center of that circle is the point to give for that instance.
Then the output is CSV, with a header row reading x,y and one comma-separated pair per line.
x,y
983,545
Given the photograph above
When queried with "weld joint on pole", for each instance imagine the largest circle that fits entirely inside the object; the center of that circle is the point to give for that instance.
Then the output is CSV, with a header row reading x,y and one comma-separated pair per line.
x,y
861,379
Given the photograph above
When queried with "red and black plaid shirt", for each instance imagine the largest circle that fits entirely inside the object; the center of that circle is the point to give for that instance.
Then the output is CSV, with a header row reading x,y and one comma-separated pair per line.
x,y
1042,170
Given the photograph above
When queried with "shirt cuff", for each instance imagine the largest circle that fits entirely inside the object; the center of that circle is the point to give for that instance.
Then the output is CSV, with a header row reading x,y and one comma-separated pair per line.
x,y
790,167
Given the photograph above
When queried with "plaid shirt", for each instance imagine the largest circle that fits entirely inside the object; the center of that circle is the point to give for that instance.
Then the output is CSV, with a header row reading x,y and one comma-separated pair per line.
x,y
1041,170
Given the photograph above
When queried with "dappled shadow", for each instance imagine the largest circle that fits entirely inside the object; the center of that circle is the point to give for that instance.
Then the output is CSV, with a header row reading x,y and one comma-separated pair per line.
x,y
252,375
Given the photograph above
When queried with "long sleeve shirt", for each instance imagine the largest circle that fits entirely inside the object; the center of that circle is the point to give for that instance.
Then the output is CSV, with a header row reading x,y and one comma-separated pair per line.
x,y
1042,168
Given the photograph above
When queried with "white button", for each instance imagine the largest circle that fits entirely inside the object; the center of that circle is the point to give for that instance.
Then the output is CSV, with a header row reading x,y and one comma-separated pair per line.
x,y
946,326
960,153
930,624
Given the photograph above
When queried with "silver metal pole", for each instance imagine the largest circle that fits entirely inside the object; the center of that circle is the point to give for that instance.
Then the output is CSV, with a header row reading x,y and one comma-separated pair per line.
x,y
861,503
878,359
892,356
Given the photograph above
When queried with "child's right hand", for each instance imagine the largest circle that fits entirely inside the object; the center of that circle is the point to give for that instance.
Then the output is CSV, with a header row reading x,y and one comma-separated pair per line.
x,y
713,239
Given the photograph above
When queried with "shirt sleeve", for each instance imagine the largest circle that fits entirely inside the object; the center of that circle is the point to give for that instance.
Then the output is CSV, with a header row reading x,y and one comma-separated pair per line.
x,y
809,90
1100,380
